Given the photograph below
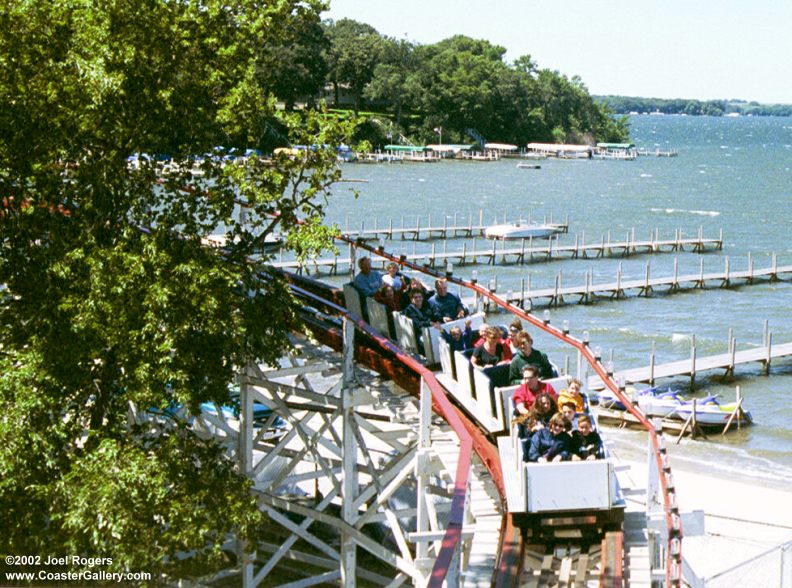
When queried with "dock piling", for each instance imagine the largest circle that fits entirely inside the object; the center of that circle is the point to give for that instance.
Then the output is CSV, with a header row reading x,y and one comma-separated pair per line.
x,y
737,414
749,280
693,361
652,364
773,267
725,282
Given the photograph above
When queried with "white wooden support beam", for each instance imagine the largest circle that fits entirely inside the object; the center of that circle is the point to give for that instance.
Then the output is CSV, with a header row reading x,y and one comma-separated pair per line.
x,y
421,470
245,427
420,538
349,486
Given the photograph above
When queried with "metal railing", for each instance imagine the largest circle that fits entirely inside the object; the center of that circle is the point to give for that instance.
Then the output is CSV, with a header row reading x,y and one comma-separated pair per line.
x,y
673,567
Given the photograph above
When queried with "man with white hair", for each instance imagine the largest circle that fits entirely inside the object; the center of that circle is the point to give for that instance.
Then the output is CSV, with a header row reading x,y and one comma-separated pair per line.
x,y
368,281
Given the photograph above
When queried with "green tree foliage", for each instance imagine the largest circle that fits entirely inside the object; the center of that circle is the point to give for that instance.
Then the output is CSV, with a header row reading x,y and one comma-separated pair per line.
x,y
627,104
396,80
110,302
295,67
461,83
355,51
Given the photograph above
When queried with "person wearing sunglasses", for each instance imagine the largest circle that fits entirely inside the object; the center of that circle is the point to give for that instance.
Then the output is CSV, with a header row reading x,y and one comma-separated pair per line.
x,y
553,443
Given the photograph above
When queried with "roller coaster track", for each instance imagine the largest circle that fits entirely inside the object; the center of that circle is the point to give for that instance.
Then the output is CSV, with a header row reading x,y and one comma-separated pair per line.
x,y
409,372
471,438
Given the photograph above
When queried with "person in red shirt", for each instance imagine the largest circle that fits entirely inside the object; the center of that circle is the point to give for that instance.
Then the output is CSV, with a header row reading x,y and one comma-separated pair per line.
x,y
530,388
524,398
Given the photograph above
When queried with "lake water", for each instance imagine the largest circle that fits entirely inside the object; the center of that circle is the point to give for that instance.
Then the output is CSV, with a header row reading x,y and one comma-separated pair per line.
x,y
733,174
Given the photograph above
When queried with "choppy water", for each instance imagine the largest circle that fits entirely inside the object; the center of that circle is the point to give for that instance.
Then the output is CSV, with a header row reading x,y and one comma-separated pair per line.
x,y
733,174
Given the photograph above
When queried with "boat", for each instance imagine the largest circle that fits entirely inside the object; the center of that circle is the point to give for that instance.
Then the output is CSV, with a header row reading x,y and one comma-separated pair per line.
x,y
713,413
520,230
529,166
655,403
608,399
671,404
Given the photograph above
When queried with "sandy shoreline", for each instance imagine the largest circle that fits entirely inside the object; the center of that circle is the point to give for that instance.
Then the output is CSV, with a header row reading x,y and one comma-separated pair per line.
x,y
744,517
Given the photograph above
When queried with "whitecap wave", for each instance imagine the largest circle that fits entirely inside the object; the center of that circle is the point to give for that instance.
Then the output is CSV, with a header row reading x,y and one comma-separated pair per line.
x,y
683,211
679,337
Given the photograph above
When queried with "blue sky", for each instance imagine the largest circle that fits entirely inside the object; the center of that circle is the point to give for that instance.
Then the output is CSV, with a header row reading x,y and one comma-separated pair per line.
x,y
703,49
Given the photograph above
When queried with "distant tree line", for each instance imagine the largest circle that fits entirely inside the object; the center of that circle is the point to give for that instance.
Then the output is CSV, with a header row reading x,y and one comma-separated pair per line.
x,y
460,85
628,104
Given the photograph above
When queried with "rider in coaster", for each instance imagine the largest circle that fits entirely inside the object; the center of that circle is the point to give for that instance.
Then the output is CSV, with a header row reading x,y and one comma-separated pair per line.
x,y
445,304
527,355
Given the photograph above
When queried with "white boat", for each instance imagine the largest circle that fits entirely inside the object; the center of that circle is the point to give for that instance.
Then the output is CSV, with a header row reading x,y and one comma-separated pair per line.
x,y
665,404
713,413
529,166
520,231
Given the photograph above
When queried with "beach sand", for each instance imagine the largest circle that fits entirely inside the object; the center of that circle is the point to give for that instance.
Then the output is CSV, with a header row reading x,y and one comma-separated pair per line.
x,y
744,517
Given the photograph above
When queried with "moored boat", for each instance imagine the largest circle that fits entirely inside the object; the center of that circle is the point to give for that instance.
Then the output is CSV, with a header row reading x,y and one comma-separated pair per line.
x,y
520,231
713,413
670,404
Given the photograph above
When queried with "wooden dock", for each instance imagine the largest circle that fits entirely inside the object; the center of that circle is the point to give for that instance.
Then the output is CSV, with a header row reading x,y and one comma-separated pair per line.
x,y
522,252
589,291
643,151
694,365
427,230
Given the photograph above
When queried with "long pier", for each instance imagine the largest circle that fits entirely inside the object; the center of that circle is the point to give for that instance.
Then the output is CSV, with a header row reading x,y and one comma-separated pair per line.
x,y
429,231
589,291
500,253
694,365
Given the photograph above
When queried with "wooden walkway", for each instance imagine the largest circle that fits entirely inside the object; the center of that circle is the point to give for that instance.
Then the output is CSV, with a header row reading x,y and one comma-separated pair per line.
x,y
501,253
589,291
485,510
428,231
695,365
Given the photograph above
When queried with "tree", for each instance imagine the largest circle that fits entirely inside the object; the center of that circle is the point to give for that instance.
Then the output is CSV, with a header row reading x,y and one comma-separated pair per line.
x,y
460,85
356,48
110,301
396,80
296,66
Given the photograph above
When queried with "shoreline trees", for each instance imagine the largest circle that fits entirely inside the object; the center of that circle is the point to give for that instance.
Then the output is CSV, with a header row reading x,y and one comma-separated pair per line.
x,y
462,83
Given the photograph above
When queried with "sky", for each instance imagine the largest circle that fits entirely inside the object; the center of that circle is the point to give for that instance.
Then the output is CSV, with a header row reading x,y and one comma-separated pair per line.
x,y
694,49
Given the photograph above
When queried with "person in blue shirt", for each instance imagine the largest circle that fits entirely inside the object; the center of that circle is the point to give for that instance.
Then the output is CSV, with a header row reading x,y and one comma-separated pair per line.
x,y
553,443
368,281
457,339
446,305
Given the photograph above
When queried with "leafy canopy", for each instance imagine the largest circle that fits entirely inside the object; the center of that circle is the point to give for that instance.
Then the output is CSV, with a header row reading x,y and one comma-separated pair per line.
x,y
110,300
